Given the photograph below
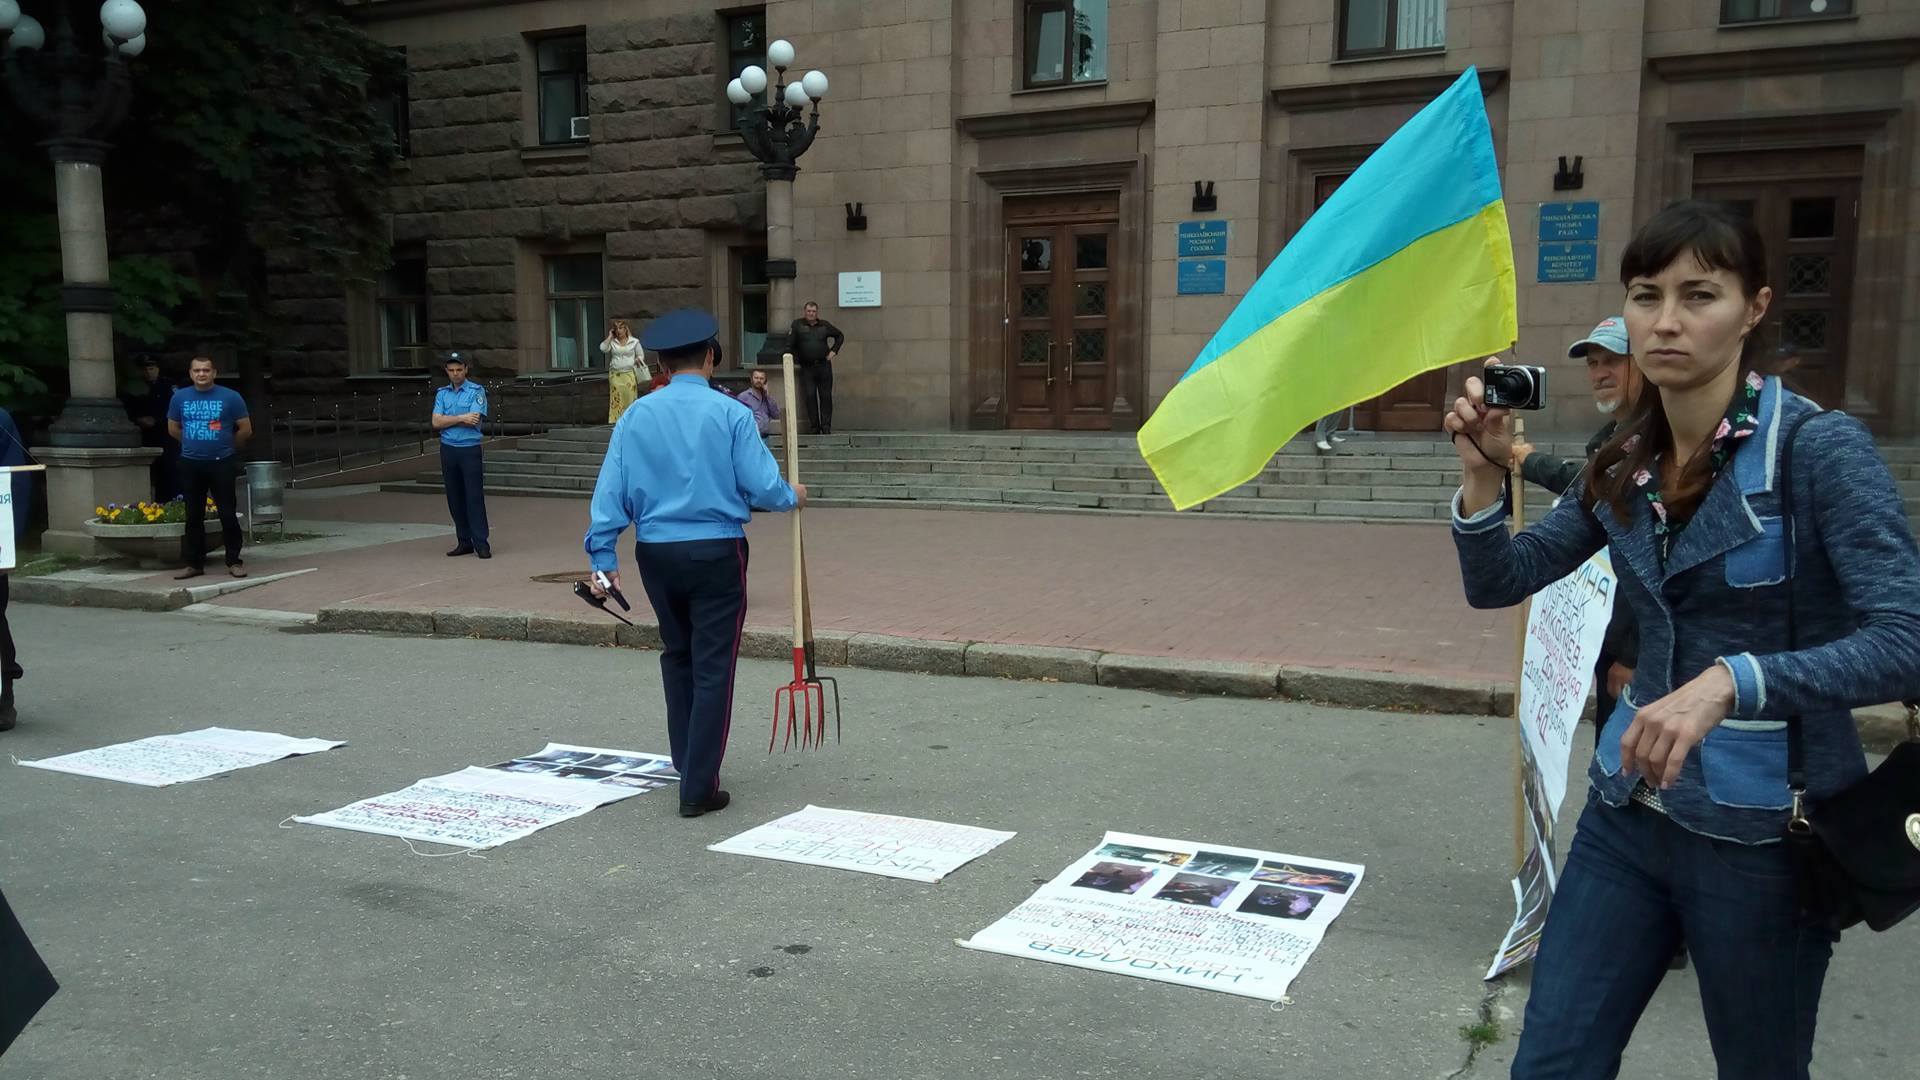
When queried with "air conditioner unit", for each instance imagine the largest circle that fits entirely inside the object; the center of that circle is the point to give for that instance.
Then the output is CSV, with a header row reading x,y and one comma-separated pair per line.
x,y
577,127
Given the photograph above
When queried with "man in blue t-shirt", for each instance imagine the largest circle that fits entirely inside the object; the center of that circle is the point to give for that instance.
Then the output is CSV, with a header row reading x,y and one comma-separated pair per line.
x,y
459,410
210,423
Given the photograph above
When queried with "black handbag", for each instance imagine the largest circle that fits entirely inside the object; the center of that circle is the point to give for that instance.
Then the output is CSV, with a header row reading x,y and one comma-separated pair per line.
x,y
1856,854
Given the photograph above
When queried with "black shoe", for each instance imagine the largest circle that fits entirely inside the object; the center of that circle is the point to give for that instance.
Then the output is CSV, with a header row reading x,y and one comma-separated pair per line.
x,y
484,552
719,801
8,718
463,549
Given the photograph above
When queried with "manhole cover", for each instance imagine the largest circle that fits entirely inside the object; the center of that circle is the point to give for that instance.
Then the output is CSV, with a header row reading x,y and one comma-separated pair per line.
x,y
565,577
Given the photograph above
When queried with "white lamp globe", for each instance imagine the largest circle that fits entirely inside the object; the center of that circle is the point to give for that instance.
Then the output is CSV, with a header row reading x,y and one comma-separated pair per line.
x,y
780,53
796,95
9,14
737,93
124,19
815,83
754,79
28,35
134,47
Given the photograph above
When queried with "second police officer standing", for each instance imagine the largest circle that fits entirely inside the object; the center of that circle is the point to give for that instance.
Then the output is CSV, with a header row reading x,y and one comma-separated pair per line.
x,y
686,467
459,408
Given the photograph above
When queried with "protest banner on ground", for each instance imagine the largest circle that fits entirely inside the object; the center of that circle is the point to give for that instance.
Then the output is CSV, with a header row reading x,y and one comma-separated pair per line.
x,y
173,759
1218,918
902,847
1565,628
481,808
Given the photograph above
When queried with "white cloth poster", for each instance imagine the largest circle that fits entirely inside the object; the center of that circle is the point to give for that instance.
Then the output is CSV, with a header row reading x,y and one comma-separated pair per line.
x,y
1217,918
172,759
902,847
481,808
9,558
1565,628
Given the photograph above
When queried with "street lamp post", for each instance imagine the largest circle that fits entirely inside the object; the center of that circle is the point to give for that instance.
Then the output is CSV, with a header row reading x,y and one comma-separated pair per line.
x,y
76,94
777,134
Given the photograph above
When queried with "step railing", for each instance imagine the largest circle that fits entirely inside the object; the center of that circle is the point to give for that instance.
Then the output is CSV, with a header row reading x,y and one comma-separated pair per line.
x,y
320,436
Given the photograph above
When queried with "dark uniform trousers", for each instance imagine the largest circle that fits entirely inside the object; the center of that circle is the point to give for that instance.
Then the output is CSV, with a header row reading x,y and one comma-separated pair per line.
x,y
699,593
463,475
9,663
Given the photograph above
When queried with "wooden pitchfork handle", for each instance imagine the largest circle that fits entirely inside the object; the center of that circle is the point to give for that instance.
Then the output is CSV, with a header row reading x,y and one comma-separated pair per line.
x,y
792,438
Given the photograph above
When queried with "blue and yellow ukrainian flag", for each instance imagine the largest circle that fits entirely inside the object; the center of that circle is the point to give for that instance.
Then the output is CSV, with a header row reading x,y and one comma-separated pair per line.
x,y
1407,268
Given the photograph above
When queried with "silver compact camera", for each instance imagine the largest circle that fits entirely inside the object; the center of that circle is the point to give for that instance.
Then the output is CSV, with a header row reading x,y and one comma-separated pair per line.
x,y
1515,386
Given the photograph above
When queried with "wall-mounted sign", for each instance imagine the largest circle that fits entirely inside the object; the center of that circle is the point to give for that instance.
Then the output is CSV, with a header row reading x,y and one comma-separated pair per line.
x,y
1566,263
860,288
1569,221
1198,238
1202,277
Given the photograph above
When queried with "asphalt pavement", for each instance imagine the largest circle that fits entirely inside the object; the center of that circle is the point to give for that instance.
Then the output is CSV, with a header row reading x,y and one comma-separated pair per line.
x,y
199,939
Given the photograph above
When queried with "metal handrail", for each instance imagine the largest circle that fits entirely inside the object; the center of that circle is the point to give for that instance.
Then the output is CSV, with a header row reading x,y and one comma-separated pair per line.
x,y
317,435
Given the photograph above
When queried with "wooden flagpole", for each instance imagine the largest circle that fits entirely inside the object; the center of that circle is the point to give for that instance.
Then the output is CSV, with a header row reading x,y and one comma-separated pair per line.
x,y
1524,612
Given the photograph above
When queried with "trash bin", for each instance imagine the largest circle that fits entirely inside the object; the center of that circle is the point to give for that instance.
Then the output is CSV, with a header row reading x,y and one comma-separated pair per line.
x,y
266,496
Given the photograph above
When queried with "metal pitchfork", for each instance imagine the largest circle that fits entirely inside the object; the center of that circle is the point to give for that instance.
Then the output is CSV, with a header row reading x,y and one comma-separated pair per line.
x,y
803,701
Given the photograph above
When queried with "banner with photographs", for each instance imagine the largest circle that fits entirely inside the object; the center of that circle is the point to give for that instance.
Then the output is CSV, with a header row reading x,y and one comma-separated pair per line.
x,y
482,808
902,847
9,556
175,759
1217,918
1565,628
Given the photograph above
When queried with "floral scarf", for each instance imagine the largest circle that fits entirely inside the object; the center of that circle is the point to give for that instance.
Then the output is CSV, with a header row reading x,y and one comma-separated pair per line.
x,y
1742,419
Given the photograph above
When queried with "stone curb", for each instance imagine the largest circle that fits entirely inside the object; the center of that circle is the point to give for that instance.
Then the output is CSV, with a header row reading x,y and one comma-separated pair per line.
x,y
92,594
1033,662
1881,727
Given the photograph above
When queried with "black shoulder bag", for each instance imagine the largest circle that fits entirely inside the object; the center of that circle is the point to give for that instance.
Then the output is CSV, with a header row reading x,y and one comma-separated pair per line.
x,y
1856,855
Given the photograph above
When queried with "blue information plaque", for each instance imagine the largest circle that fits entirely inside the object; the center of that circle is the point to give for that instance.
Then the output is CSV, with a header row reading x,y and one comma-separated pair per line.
x,y
1199,238
1201,277
1566,263
1568,221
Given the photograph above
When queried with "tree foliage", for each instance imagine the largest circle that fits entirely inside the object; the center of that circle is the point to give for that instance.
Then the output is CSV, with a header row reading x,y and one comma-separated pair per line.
x,y
255,126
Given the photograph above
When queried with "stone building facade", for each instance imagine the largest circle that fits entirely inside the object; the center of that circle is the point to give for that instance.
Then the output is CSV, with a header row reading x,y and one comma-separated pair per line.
x,y
1025,167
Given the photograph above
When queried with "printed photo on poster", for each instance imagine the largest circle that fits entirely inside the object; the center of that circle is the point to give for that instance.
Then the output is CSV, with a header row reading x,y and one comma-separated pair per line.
x,y
1138,905
1114,877
1279,902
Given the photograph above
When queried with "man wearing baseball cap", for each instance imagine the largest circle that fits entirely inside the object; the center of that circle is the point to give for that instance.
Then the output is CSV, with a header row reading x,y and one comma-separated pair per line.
x,y
1616,386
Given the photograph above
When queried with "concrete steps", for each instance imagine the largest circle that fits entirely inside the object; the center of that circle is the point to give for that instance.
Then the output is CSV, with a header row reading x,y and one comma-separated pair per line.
x,y
1368,478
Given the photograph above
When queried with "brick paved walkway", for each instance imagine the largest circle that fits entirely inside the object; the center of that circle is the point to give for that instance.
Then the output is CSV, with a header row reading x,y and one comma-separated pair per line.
x,y
1376,597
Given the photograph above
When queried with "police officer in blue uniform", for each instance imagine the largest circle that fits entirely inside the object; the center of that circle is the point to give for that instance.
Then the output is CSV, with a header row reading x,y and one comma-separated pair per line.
x,y
459,410
686,467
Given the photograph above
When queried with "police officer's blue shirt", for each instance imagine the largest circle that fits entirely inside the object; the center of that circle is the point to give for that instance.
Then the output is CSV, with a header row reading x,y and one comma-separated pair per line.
x,y
684,463
448,401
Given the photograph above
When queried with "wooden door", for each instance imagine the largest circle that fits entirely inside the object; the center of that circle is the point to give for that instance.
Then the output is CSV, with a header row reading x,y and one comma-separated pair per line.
x,y
1060,363
1810,227
1414,405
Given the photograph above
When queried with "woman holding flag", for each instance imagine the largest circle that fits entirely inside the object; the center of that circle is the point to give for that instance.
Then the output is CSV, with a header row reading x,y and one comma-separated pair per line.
x,y
1690,800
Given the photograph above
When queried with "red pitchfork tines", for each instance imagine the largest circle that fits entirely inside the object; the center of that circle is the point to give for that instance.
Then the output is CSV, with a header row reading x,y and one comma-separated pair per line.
x,y
802,702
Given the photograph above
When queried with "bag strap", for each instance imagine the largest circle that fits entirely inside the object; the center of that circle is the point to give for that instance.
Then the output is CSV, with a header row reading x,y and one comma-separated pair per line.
x,y
1796,749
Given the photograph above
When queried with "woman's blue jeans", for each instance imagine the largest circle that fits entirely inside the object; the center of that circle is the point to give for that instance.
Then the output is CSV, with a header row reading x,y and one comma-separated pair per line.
x,y
1636,885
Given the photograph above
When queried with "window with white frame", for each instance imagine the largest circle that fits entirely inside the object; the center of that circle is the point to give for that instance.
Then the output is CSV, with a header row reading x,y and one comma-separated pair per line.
x,y
560,66
400,303
576,311
1385,27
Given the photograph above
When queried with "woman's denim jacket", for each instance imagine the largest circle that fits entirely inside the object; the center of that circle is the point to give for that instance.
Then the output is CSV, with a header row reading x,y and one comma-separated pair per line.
x,y
1721,597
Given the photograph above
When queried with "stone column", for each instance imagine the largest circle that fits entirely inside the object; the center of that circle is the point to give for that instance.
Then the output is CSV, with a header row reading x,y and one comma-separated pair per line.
x,y
95,456
780,264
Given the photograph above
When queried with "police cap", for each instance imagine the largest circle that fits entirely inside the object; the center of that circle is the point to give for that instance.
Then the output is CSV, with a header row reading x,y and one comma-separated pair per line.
x,y
680,329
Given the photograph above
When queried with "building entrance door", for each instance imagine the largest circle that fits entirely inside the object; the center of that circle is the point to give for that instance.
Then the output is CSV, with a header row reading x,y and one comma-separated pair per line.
x,y
1060,317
